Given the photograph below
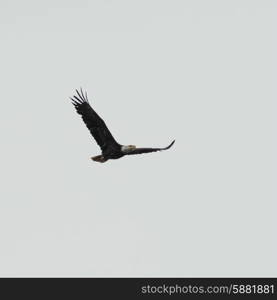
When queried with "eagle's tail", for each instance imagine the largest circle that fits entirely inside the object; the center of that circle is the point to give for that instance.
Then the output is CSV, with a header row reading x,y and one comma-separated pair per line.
x,y
99,158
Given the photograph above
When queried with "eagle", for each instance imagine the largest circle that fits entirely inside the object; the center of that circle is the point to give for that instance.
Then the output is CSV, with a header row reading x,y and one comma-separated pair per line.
x,y
111,149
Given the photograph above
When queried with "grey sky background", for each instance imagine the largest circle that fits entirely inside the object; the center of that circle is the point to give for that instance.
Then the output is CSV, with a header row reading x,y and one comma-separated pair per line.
x,y
200,72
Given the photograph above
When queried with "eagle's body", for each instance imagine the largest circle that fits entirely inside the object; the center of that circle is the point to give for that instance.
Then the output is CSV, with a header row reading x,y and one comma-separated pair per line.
x,y
111,149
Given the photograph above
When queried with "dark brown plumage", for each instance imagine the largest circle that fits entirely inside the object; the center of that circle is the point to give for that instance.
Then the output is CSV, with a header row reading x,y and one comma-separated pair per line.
x,y
99,130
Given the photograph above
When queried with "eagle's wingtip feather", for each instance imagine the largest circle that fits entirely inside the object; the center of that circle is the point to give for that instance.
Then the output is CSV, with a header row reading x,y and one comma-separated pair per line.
x,y
170,145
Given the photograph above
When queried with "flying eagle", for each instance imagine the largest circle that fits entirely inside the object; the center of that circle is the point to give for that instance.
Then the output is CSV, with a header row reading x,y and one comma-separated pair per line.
x,y
97,127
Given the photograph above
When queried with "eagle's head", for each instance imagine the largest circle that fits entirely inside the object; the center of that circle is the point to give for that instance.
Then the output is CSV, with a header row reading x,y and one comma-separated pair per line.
x,y
128,148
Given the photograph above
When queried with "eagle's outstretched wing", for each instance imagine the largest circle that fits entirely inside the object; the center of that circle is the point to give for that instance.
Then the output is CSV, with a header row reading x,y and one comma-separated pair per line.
x,y
148,150
94,123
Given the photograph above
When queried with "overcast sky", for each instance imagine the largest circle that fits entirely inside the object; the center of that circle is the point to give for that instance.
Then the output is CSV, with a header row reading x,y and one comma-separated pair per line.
x,y
201,72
